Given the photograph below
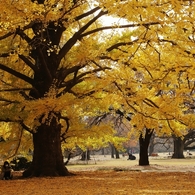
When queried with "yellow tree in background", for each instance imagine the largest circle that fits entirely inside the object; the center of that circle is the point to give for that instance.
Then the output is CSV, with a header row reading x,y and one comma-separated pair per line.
x,y
156,79
60,58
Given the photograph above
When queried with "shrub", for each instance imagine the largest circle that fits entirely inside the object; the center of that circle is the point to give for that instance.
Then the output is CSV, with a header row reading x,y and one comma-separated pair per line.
x,y
20,163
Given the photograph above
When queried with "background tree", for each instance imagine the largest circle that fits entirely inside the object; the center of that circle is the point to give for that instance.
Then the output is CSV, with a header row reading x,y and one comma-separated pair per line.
x,y
184,143
178,148
189,140
156,78
163,143
121,129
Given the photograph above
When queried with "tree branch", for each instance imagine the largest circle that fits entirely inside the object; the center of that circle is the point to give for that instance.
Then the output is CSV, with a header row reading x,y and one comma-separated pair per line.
x,y
77,36
87,13
28,62
117,27
67,128
16,74
26,128
7,35
8,101
23,35
18,145
16,89
115,46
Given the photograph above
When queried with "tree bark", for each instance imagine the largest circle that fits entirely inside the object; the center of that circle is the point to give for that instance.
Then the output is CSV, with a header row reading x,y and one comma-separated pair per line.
x,y
103,151
151,145
178,148
85,155
112,150
144,143
117,153
47,155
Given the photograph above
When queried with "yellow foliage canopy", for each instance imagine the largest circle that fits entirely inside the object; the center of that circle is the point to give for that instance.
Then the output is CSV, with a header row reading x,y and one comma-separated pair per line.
x,y
58,60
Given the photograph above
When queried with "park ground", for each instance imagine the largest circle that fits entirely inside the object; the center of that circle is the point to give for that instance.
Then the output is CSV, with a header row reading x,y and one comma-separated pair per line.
x,y
106,176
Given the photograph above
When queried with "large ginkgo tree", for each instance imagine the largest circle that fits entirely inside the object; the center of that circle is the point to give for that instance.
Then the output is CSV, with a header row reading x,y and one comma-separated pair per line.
x,y
56,62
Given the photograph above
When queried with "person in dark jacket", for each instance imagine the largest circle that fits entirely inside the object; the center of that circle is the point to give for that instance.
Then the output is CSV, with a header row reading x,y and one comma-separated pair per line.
x,y
131,157
6,171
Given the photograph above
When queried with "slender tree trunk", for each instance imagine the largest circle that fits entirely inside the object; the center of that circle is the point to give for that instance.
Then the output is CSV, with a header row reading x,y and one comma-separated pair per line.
x,y
112,151
117,153
103,151
144,143
178,148
85,155
47,155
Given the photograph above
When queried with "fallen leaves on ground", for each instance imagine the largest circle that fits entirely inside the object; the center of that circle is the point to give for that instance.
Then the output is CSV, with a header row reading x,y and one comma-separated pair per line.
x,y
104,182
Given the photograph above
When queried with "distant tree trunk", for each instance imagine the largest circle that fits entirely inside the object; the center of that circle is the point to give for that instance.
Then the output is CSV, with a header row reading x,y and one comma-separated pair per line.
x,y
189,140
144,143
68,158
85,155
103,151
47,155
112,150
117,153
151,145
178,148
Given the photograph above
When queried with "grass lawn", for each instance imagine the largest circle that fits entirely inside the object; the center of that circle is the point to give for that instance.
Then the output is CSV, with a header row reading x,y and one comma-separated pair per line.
x,y
161,162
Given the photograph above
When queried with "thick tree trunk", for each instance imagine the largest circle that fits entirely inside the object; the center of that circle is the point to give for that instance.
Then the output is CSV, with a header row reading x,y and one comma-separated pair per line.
x,y
47,155
178,148
144,143
151,145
